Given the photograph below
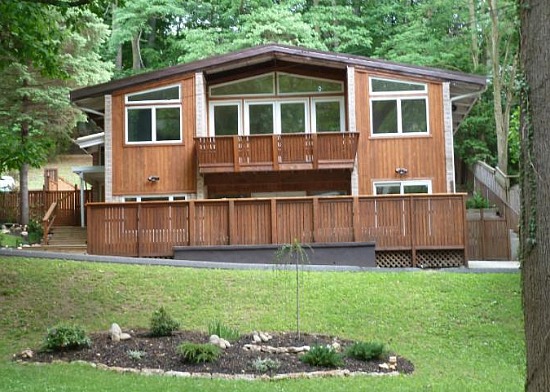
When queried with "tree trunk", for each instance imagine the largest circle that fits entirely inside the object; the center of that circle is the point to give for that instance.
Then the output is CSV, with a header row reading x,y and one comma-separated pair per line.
x,y
136,52
501,130
118,58
24,194
535,221
473,33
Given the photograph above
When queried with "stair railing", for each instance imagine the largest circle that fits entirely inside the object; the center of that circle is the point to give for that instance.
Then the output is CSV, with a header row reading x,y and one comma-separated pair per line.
x,y
47,222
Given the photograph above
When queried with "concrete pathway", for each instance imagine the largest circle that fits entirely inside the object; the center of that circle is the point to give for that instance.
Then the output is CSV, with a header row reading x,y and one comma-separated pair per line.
x,y
474,266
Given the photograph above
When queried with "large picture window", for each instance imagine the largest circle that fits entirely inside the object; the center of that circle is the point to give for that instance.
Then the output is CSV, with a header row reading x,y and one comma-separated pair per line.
x,y
154,116
398,107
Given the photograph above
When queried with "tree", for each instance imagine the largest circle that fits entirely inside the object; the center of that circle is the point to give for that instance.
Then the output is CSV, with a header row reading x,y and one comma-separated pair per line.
x,y
35,112
535,220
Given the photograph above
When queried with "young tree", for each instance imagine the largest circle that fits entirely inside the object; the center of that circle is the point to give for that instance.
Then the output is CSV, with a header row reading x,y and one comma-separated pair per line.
x,y
35,113
535,220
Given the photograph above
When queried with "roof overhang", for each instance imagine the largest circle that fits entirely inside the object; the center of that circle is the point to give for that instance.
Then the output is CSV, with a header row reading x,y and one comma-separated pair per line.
x,y
92,140
90,174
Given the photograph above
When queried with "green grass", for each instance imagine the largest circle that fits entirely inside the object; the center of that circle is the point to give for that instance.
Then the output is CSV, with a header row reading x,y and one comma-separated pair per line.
x,y
9,240
463,332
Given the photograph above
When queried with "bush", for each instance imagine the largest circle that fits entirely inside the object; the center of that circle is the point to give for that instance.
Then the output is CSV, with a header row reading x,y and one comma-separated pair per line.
x,y
477,201
36,231
66,338
199,353
223,331
365,351
162,324
265,365
324,356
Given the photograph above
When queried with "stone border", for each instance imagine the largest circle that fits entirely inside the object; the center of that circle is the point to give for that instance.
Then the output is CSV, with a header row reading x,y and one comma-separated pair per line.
x,y
224,376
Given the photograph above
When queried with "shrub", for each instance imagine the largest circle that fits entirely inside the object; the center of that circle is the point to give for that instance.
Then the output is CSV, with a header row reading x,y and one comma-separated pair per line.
x,y
324,356
223,331
477,201
199,352
66,338
264,365
162,324
36,231
365,351
136,355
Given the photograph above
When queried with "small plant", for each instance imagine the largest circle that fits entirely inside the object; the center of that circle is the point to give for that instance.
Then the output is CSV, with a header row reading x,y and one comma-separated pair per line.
x,y
199,352
365,351
477,201
136,355
264,365
66,338
223,331
36,232
162,324
324,356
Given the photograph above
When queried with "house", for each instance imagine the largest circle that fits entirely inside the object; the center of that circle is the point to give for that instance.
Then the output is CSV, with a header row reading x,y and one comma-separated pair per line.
x,y
275,121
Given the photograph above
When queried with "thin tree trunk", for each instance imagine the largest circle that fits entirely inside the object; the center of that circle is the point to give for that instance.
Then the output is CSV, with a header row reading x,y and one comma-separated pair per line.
x,y
136,52
118,58
24,169
473,33
535,221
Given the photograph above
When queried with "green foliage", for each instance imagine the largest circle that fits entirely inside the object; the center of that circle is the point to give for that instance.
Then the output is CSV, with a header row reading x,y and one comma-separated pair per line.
x,y
223,331
136,355
365,351
162,324
324,356
65,337
264,365
477,201
199,352
36,231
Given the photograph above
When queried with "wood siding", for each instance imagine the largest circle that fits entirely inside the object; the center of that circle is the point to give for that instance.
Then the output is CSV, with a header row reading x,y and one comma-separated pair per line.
x,y
152,229
174,164
378,157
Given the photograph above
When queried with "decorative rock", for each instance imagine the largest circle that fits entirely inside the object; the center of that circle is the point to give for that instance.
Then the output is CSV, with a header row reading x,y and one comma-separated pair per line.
x,y
125,336
384,366
336,346
252,347
265,336
220,342
115,332
26,354
392,360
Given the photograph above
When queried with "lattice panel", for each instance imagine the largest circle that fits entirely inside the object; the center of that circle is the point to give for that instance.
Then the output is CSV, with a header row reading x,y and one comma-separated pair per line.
x,y
439,258
393,259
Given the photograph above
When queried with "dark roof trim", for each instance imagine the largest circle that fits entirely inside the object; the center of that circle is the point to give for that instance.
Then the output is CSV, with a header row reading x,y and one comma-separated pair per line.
x,y
290,53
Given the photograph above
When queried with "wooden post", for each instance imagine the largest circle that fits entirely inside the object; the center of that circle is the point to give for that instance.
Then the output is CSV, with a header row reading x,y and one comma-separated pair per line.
x,y
231,222
412,231
356,219
274,234
482,224
236,155
138,230
315,218
275,151
191,223
465,228
315,150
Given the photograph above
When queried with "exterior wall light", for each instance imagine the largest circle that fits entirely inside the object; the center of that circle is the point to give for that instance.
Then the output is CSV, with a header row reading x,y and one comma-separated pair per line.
x,y
401,171
153,178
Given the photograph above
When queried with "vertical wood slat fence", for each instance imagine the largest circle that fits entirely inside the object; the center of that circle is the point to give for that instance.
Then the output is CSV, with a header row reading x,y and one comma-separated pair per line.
x,y
394,223
68,208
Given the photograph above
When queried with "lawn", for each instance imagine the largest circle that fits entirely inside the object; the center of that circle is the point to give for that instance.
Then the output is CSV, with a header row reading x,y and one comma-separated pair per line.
x,y
463,332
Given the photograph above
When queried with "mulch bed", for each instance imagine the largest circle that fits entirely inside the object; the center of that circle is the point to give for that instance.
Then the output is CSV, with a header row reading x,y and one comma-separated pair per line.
x,y
161,353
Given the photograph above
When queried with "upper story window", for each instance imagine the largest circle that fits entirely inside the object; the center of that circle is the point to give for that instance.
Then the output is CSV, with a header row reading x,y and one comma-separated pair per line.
x,y
398,107
276,103
402,187
154,116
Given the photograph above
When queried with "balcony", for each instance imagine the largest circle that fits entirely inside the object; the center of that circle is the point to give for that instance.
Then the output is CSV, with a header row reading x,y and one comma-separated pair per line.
x,y
309,151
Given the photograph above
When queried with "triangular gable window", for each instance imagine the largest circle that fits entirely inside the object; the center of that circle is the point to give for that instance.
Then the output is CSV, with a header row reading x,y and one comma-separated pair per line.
x,y
292,84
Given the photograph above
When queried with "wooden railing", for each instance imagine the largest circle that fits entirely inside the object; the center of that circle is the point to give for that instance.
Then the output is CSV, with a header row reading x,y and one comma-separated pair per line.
x,y
47,222
68,209
401,222
333,150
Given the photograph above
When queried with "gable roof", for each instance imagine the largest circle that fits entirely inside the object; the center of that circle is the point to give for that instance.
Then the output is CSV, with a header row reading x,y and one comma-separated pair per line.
x,y
464,86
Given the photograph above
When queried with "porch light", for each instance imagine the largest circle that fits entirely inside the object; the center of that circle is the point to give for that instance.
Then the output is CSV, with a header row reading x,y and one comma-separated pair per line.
x,y
153,178
401,170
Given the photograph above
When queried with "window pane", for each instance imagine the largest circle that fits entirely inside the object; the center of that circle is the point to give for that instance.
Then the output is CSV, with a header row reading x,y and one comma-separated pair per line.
x,y
158,95
293,117
260,85
260,119
226,120
384,117
413,113
168,124
327,116
415,189
379,85
388,189
295,84
140,125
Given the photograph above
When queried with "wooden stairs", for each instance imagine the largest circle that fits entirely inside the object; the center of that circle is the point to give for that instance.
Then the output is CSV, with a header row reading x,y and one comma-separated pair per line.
x,y
69,239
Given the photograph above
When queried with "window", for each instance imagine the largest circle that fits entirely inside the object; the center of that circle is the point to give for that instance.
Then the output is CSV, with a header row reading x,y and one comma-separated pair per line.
x,y
225,118
328,114
402,187
398,107
293,84
277,116
154,198
154,116
252,86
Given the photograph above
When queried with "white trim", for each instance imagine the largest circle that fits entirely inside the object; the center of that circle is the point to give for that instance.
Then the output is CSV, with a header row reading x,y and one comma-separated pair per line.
x,y
399,130
211,123
448,136
108,128
313,111
141,198
400,92
154,109
153,101
200,102
276,104
402,184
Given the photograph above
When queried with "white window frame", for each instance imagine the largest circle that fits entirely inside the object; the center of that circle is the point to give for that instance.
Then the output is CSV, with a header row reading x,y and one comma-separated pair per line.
x,y
309,92
402,185
211,107
313,112
153,124
276,103
139,199
154,101
399,97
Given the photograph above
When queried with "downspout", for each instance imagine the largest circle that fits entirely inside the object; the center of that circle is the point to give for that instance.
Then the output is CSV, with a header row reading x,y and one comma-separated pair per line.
x,y
82,185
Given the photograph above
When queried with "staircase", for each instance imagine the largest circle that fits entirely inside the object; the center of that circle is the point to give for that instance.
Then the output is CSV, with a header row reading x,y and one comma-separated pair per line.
x,y
66,239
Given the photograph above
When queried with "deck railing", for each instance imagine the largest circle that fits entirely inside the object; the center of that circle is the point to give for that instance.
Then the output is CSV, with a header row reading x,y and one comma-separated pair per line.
x,y
394,223
334,150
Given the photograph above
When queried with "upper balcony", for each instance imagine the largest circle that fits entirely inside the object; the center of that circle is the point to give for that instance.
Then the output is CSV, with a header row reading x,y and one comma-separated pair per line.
x,y
298,151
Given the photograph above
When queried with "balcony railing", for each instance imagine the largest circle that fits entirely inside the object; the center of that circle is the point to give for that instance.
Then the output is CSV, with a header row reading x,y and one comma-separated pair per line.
x,y
309,151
